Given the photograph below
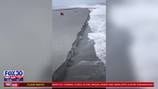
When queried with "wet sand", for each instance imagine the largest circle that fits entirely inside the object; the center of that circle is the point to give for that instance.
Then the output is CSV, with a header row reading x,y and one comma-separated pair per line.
x,y
65,29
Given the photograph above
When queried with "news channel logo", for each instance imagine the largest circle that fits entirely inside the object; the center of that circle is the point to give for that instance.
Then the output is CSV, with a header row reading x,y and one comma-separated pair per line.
x,y
13,75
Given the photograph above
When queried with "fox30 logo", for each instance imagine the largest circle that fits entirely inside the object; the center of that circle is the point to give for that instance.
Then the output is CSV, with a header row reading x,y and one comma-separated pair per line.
x,y
13,75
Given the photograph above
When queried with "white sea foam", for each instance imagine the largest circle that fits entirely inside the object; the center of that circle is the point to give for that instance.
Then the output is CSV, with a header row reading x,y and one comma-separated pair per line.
x,y
97,24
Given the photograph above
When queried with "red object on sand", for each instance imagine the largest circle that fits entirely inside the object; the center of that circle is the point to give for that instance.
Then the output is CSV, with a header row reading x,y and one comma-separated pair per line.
x,y
61,13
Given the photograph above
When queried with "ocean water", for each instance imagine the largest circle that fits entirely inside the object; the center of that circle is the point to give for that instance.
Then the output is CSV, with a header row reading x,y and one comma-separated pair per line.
x,y
97,24
56,4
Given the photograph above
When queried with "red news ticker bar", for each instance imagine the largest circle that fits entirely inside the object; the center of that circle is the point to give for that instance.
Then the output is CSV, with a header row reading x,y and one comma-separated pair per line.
x,y
78,84
101,84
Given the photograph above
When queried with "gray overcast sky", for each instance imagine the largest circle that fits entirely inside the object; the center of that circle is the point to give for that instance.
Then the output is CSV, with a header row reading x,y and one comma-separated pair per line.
x,y
70,3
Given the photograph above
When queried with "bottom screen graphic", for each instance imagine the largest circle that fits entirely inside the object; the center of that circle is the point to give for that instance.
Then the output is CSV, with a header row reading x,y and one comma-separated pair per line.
x,y
79,84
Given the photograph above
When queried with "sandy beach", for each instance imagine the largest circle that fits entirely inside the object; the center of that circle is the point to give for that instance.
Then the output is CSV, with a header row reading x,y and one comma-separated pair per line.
x,y
65,29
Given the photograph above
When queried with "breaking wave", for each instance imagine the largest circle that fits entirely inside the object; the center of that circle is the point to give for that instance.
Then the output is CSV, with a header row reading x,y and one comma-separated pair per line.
x,y
97,24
